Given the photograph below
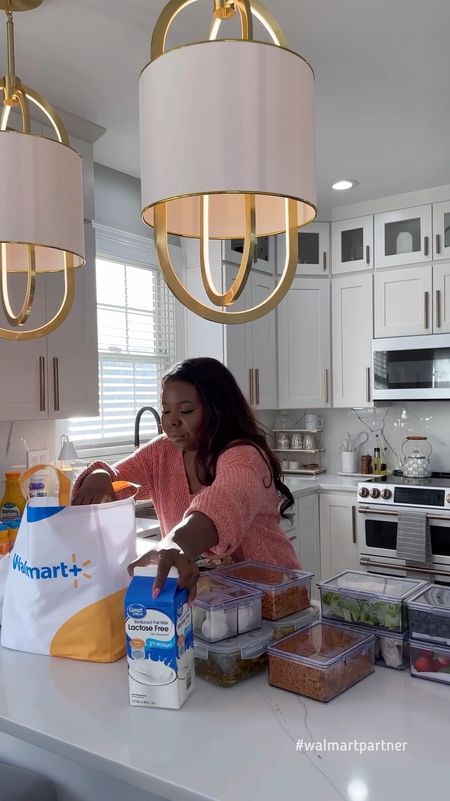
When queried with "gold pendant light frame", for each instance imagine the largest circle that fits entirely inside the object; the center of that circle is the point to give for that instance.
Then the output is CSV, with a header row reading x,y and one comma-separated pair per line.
x,y
223,10
15,94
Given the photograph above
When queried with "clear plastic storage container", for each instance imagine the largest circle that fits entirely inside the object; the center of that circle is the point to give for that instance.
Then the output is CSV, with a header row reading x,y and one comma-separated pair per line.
x,y
230,661
372,600
429,661
224,609
321,661
391,648
429,614
287,625
284,590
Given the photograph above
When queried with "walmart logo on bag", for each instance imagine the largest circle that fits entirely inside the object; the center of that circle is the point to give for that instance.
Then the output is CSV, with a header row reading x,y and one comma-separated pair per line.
x,y
61,570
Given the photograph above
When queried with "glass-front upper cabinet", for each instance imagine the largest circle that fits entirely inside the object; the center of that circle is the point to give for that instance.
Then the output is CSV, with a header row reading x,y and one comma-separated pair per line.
x,y
352,245
313,250
441,230
403,237
265,253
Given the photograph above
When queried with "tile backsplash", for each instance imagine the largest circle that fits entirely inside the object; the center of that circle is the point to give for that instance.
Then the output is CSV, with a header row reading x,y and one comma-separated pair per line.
x,y
16,436
392,423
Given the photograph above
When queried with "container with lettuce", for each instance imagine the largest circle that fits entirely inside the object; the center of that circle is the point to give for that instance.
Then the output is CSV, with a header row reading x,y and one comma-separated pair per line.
x,y
369,600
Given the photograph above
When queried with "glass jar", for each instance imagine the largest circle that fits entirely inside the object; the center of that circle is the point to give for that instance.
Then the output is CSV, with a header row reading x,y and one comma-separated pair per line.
x,y
309,442
283,441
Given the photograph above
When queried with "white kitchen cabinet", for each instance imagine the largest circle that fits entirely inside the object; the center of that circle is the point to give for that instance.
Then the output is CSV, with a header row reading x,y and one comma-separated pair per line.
x,y
338,545
441,293
291,527
72,352
304,345
352,321
352,245
263,356
403,237
309,537
22,364
265,253
54,376
441,230
248,350
313,250
403,302
251,352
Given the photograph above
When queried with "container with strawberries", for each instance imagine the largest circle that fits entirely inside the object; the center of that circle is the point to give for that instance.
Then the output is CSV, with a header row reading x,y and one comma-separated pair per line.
x,y
429,661
429,631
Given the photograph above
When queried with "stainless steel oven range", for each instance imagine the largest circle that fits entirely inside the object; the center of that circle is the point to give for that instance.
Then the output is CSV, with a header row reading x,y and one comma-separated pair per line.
x,y
380,500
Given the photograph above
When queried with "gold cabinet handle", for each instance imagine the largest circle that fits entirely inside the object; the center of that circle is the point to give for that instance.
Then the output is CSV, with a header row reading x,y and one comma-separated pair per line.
x,y
257,385
438,243
354,525
325,385
250,384
438,308
42,383
56,383
324,261
367,383
425,246
426,296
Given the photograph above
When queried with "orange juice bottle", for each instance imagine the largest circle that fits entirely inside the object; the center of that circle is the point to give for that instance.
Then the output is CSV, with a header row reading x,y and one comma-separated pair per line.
x,y
13,503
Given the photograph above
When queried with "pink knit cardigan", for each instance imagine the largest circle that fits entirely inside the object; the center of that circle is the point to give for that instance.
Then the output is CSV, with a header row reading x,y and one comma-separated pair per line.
x,y
242,501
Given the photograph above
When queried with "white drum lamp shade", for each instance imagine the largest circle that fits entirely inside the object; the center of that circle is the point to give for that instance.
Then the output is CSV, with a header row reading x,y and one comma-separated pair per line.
x,y
41,202
225,118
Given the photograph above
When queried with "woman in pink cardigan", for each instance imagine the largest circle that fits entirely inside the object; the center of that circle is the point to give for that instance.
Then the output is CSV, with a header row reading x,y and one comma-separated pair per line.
x,y
215,484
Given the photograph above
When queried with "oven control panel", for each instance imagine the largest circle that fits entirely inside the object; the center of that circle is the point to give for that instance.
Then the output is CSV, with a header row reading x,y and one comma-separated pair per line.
x,y
427,497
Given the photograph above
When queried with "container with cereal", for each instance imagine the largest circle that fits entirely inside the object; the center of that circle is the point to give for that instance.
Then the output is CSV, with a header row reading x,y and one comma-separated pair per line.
x,y
284,590
230,661
287,625
321,661
224,609
371,600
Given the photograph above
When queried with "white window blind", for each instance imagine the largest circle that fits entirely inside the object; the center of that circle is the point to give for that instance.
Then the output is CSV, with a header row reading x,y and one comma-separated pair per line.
x,y
136,344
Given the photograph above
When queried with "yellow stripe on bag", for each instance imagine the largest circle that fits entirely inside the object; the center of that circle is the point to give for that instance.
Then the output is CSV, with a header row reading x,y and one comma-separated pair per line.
x,y
94,634
63,481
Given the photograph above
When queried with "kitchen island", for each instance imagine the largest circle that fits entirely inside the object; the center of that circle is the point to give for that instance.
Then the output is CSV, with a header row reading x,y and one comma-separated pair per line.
x,y
72,721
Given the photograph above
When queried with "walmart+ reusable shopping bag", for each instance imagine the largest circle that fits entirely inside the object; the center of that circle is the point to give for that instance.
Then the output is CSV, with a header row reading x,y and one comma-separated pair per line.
x,y
67,577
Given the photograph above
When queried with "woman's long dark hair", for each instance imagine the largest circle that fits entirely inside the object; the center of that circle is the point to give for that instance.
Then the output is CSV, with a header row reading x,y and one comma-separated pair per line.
x,y
228,421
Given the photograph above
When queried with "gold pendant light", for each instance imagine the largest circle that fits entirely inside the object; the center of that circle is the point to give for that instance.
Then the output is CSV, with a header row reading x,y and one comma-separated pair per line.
x,y
41,199
227,148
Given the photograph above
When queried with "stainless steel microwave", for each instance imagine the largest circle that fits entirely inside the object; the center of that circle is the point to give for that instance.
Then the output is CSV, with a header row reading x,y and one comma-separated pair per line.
x,y
411,368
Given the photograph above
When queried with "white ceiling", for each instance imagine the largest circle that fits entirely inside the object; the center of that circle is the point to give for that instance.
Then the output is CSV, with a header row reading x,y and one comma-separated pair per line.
x,y
382,80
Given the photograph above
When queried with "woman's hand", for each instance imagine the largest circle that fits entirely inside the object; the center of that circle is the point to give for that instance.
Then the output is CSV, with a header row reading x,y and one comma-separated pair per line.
x,y
167,554
96,488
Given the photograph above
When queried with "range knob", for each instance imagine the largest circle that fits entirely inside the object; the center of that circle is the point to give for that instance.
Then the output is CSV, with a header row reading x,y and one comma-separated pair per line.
x,y
375,492
363,492
448,499
386,493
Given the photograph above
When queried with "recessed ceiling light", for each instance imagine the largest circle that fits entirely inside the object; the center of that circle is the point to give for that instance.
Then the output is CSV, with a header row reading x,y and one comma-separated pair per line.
x,y
346,183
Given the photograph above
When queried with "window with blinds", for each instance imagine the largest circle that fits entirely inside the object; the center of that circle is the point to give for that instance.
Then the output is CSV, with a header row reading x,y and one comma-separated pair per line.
x,y
136,345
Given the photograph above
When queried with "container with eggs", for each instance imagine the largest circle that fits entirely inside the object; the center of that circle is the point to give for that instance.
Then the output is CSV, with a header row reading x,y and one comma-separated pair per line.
x,y
224,609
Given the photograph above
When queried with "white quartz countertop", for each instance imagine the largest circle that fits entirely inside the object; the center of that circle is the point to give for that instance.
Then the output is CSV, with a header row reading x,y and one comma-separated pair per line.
x,y
233,744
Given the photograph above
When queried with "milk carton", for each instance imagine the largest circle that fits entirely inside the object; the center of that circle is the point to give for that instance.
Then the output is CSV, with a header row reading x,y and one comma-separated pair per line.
x,y
159,638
